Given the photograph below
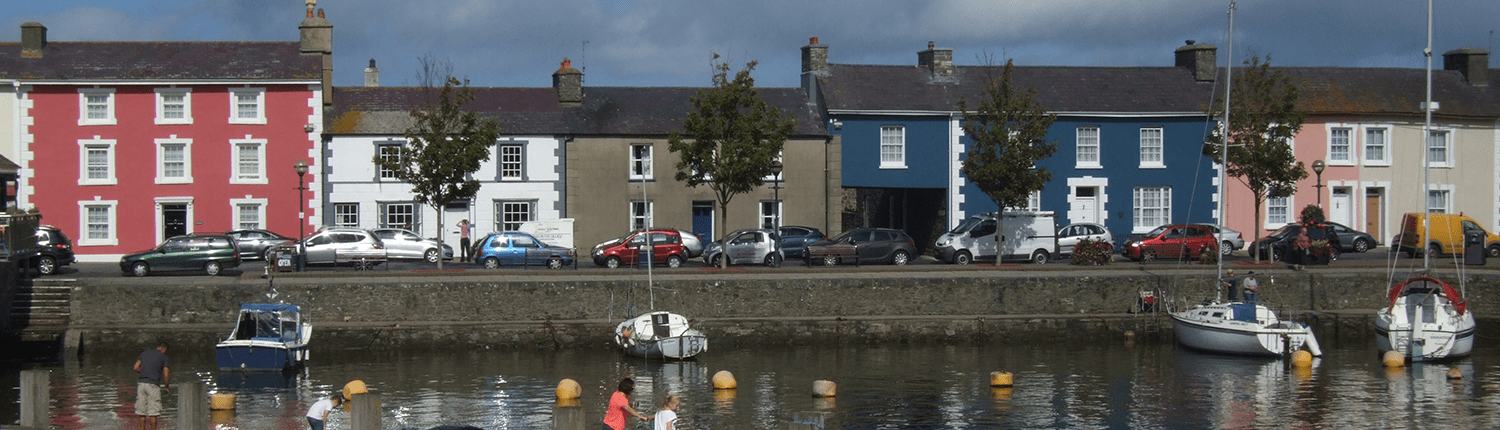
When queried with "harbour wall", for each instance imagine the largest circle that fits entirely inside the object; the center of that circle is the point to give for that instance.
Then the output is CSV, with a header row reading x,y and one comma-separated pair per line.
x,y
565,310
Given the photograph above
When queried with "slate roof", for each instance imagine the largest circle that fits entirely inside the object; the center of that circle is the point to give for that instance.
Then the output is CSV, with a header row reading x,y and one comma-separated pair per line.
x,y
1372,90
138,61
618,111
1059,89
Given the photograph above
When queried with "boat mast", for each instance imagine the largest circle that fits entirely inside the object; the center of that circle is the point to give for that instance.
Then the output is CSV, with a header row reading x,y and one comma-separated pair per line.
x,y
1224,147
1427,156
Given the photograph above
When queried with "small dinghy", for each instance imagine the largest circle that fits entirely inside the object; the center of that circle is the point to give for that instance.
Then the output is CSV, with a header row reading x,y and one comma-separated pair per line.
x,y
660,335
265,337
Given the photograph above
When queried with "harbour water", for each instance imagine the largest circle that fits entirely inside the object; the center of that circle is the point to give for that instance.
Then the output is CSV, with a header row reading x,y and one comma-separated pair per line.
x,y
1147,382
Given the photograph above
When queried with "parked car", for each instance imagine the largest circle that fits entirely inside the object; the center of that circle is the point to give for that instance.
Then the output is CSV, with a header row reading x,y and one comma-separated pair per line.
x,y
692,245
519,249
794,240
751,246
1069,236
1353,240
403,244
1171,241
871,245
1448,232
1229,240
1279,246
626,250
257,244
1034,238
53,250
210,253
343,245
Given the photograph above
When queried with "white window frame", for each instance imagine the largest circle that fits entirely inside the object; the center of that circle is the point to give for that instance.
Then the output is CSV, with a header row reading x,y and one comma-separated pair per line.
x,y
894,144
636,218
161,161
512,165
1086,137
770,213
1350,144
1287,204
780,158
260,105
235,214
346,214
385,215
383,174
161,105
1142,222
1384,145
108,146
111,227
1156,144
1445,144
235,176
504,209
109,106
1447,193
642,166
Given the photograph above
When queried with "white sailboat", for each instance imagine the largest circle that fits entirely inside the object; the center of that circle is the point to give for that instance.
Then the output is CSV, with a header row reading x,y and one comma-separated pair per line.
x,y
658,334
1233,327
1427,319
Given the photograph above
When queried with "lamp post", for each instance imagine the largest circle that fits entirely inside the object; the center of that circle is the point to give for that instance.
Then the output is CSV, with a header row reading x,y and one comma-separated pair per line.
x,y
301,167
776,168
1318,167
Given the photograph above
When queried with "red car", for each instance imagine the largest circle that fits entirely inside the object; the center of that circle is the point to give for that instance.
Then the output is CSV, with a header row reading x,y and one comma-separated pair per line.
x,y
1171,241
626,250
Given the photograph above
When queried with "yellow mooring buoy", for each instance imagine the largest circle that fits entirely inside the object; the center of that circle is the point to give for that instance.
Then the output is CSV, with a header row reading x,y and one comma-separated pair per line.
x,y
1393,359
1001,379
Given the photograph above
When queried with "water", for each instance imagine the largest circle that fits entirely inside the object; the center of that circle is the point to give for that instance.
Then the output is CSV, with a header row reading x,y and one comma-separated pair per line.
x,y
1150,383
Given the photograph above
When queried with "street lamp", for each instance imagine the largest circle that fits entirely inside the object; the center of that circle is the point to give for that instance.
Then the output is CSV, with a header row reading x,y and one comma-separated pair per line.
x,y
776,217
1318,169
301,167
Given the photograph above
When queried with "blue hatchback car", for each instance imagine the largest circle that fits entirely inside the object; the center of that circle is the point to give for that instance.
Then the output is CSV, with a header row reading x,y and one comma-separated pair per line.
x,y
519,249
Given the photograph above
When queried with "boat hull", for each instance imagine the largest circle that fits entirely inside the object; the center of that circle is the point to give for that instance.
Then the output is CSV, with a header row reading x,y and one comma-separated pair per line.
x,y
1446,330
660,335
676,347
1230,336
259,355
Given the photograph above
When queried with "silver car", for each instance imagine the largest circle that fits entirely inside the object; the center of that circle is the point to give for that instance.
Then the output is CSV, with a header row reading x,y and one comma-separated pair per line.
x,y
1068,237
691,244
343,245
1229,240
757,246
402,244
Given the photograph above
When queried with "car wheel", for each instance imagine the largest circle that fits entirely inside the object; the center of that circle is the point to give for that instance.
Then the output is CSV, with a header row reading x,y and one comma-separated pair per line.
x,y
46,265
269,255
1226,248
1040,257
492,263
1276,254
1494,251
1362,245
1435,250
554,263
431,256
674,261
715,260
773,260
963,258
212,268
900,258
140,269
830,261
1148,255
612,262
1334,253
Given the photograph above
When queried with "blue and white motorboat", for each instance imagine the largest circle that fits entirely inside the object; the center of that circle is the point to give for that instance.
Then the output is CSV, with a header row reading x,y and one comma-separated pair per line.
x,y
266,337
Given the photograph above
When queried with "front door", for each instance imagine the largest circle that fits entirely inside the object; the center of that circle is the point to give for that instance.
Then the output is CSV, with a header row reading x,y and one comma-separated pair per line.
x,y
1085,207
1340,206
703,220
174,220
1373,213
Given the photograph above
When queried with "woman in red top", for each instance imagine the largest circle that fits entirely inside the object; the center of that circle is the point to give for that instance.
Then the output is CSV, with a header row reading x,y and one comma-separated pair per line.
x,y
619,405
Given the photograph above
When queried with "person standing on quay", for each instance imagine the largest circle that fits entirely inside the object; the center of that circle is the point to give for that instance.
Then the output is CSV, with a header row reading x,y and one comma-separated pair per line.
x,y
463,241
619,405
155,375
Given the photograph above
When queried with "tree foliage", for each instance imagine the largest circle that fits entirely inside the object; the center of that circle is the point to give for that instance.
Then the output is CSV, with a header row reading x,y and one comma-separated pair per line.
x,y
1263,118
731,137
1009,130
445,146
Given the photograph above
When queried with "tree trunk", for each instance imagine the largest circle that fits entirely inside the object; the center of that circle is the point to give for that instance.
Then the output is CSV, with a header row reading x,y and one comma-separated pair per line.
x,y
439,237
723,225
1255,253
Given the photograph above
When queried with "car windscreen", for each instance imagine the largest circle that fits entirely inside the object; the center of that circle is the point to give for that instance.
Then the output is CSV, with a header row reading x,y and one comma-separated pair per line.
x,y
968,223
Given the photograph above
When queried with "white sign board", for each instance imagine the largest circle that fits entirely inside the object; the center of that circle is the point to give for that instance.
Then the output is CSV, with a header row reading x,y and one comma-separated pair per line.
x,y
557,232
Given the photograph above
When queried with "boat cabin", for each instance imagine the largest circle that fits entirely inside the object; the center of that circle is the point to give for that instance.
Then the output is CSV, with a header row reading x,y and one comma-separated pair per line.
x,y
274,322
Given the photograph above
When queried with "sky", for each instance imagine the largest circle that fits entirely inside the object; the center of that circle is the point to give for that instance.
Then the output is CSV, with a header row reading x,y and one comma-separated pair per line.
x,y
507,43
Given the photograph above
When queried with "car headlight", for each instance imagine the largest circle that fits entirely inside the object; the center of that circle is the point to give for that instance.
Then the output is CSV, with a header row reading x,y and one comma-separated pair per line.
x,y
944,242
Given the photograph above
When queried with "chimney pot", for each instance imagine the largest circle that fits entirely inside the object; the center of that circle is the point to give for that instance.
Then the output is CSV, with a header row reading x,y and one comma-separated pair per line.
x,y
812,40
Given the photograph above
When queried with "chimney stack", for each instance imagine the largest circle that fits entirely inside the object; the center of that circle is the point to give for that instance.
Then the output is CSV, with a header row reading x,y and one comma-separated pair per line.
x,y
815,58
567,82
317,39
1473,63
33,39
938,61
372,75
1201,59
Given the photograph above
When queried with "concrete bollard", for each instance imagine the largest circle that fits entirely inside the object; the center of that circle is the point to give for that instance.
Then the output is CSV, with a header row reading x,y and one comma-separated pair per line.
x,y
192,405
364,414
568,418
36,388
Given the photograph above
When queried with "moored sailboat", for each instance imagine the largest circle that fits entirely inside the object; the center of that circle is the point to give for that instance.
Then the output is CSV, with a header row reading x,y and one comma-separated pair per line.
x,y
660,335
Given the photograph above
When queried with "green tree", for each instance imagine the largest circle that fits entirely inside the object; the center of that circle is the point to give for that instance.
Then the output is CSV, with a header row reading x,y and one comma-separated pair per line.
x,y
1263,118
445,145
730,138
1008,130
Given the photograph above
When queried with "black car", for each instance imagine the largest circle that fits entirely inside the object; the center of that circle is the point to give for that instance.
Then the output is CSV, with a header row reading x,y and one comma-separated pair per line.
x,y
53,250
1278,246
795,238
257,244
869,245
209,253
1353,240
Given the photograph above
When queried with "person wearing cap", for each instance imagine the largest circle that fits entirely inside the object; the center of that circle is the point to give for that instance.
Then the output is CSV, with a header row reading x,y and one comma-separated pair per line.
x,y
1230,283
1251,287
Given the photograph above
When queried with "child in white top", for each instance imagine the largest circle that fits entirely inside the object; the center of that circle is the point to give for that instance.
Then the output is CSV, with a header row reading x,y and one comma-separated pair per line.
x,y
666,418
317,415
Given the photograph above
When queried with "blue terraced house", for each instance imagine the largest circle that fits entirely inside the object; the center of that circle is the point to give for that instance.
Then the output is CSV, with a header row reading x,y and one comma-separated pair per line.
x,y
1128,140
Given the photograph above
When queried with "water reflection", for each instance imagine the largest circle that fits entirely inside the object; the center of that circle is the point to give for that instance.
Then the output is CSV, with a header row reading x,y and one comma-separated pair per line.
x,y
1065,384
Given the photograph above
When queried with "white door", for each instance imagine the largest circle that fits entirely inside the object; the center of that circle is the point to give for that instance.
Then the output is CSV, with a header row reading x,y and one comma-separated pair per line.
x,y
1340,206
1085,206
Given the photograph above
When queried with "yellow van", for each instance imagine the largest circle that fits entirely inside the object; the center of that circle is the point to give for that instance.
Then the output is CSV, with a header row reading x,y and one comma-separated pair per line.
x,y
1448,232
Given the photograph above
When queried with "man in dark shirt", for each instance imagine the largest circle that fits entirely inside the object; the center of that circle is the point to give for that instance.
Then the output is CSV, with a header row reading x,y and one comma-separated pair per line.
x,y
152,366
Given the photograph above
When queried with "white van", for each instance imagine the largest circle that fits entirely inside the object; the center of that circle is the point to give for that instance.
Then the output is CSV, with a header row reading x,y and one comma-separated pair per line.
x,y
1028,236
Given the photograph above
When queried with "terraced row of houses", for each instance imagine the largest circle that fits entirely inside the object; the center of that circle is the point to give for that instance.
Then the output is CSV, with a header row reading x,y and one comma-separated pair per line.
x,y
123,144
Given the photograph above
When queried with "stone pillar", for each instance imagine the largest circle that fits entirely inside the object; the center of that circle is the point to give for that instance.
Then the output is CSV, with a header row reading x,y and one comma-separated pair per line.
x,y
364,412
36,388
192,405
568,418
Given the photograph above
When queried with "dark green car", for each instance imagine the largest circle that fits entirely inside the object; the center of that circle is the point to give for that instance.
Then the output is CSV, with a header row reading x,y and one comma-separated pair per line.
x,y
191,253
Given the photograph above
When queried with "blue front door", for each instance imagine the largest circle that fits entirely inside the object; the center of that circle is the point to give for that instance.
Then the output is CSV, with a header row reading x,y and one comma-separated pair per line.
x,y
703,220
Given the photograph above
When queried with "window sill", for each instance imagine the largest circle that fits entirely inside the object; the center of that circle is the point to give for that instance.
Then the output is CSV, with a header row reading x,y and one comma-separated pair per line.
x,y
88,122
1088,167
85,183
164,181
1152,167
1369,163
893,167
642,180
